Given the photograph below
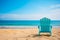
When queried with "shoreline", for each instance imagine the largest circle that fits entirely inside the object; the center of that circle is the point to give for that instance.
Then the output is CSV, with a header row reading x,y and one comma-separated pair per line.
x,y
22,27
17,27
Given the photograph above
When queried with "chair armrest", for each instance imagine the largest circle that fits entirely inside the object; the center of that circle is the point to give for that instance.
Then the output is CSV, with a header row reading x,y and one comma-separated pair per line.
x,y
51,26
38,26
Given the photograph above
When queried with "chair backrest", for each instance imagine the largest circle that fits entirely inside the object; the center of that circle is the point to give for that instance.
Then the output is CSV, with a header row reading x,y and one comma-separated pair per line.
x,y
45,24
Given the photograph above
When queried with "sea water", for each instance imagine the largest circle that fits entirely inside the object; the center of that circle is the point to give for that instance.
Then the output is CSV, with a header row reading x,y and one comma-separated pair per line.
x,y
26,22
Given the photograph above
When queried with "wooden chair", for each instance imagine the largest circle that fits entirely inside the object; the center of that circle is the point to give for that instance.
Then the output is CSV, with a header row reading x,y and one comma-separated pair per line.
x,y
45,26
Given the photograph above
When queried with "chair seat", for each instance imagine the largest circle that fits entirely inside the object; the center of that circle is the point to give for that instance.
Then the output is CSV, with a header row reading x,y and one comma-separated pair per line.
x,y
45,31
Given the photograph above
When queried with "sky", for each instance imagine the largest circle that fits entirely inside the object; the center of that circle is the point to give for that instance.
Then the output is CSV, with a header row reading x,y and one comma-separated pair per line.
x,y
29,9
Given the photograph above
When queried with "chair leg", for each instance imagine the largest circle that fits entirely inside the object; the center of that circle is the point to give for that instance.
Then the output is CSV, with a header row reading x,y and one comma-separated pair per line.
x,y
39,33
50,33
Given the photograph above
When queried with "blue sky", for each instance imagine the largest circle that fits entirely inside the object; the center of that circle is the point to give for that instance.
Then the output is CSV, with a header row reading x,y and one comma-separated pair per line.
x,y
29,9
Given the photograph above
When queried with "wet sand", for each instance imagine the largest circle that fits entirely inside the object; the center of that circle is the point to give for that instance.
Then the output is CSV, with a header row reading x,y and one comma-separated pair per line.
x,y
27,34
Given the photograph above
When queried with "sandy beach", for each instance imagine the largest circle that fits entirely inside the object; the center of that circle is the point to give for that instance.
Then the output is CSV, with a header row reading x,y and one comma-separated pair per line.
x,y
27,34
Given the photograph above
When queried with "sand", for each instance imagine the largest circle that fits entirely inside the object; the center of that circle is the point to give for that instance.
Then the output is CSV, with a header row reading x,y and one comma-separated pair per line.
x,y
27,34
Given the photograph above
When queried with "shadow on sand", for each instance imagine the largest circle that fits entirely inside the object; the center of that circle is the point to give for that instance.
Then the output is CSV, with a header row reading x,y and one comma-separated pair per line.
x,y
36,35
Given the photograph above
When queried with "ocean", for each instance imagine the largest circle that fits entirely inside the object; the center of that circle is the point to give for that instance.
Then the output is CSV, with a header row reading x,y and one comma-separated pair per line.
x,y
26,22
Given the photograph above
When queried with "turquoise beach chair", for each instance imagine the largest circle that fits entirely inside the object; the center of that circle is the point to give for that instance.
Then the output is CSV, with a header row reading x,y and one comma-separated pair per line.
x,y
45,26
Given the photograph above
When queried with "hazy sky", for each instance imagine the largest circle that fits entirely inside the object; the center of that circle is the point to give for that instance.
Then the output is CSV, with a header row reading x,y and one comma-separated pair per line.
x,y
29,9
